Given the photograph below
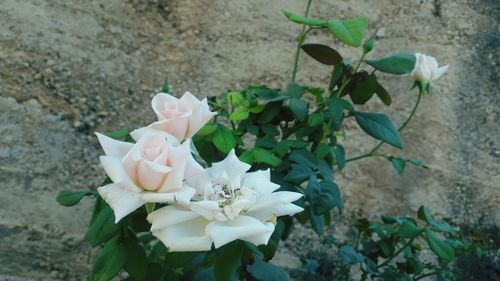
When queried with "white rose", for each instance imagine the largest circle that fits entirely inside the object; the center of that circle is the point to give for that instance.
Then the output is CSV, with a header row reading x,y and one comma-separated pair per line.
x,y
151,170
426,69
229,204
182,117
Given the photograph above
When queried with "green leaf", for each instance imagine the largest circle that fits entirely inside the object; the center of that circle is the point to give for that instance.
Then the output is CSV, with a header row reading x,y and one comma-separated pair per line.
x,y
270,111
322,151
336,109
299,108
398,164
235,98
303,156
340,156
69,198
383,95
298,174
165,88
325,170
322,53
315,119
294,90
224,139
118,134
206,130
239,114
247,157
350,31
424,215
364,90
270,95
263,156
439,247
380,127
409,230
317,223
323,196
109,261
103,227
264,271
337,73
418,163
369,44
303,20
402,63
136,263
228,261
349,256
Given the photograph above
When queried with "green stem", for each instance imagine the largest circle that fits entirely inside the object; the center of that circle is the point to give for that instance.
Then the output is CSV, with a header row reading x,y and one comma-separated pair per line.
x,y
359,62
396,254
301,40
343,87
405,123
426,275
150,207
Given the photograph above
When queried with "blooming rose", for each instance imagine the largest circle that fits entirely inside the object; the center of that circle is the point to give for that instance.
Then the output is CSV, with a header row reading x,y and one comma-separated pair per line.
x,y
229,204
182,117
426,69
151,170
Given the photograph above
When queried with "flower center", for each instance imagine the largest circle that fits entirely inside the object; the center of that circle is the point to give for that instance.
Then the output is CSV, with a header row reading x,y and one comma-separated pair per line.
x,y
223,194
171,110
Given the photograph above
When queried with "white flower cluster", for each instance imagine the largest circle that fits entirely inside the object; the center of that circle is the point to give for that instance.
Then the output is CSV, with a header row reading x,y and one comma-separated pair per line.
x,y
206,206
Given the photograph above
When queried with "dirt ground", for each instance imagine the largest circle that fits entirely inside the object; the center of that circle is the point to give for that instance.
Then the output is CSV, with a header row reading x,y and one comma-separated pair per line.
x,y
69,68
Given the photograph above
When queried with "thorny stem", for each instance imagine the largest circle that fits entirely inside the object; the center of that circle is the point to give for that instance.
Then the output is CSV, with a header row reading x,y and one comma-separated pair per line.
x,y
301,40
405,123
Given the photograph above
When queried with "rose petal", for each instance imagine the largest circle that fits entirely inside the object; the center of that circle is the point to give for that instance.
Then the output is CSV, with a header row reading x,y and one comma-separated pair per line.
x,y
113,147
116,172
229,170
170,215
181,196
160,99
208,209
440,71
139,133
185,237
242,227
279,210
274,199
177,127
260,181
177,160
121,199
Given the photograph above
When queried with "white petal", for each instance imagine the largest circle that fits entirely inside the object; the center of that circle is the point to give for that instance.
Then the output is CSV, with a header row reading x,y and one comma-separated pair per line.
x,y
192,167
185,237
440,71
182,196
177,127
267,214
240,228
170,215
260,181
261,238
159,99
208,209
113,147
177,160
274,199
122,200
139,133
116,172
188,100
231,167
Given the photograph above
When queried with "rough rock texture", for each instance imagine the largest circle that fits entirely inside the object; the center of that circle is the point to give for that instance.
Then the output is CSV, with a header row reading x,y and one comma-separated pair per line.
x,y
69,68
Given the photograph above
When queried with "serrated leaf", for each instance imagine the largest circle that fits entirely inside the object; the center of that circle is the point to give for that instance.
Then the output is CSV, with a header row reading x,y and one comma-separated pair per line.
x,y
380,127
299,108
424,215
322,53
303,156
239,114
340,156
304,20
206,130
402,63
398,164
298,174
439,247
264,271
364,90
136,263
383,95
69,198
349,256
261,155
409,230
323,196
315,119
349,31
224,139
118,134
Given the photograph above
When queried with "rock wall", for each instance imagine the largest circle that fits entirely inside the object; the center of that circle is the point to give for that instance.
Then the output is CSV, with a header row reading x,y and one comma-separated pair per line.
x,y
69,68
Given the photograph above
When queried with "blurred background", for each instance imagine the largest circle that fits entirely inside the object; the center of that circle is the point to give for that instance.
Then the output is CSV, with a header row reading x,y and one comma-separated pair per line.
x,y
69,68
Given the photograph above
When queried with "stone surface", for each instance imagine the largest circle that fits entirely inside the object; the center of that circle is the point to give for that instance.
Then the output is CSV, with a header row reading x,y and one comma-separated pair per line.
x,y
69,68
